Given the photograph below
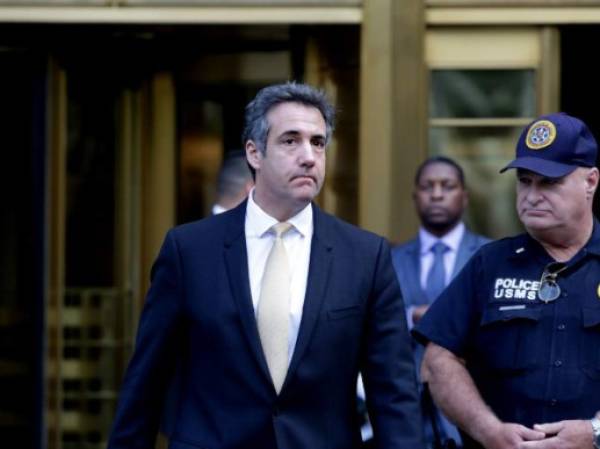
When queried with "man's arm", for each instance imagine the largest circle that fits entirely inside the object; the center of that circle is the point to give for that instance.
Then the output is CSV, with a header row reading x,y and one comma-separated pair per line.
x,y
455,393
142,393
387,363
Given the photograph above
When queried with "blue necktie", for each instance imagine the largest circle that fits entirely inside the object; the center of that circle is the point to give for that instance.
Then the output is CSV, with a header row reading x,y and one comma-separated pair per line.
x,y
436,278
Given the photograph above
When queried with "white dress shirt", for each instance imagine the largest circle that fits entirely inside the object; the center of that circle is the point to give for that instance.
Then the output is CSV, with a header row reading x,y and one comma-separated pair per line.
x,y
452,240
297,242
218,209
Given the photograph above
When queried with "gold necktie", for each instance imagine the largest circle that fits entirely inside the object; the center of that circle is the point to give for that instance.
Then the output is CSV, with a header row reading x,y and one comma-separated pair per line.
x,y
274,307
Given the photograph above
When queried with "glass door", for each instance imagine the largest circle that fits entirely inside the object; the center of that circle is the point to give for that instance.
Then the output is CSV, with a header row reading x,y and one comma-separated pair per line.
x,y
96,243
22,227
484,86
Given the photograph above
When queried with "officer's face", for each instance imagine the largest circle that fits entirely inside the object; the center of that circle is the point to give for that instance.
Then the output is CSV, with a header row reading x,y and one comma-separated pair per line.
x,y
545,204
440,197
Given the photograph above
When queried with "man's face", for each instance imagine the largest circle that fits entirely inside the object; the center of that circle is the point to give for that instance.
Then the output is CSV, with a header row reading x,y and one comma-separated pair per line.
x,y
440,197
291,171
549,203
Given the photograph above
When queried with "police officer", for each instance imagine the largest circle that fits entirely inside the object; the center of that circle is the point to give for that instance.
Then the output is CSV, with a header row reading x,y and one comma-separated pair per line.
x,y
513,344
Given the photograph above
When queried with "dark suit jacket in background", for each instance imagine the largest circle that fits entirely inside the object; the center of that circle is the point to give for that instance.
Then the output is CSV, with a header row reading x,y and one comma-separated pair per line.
x,y
199,314
407,263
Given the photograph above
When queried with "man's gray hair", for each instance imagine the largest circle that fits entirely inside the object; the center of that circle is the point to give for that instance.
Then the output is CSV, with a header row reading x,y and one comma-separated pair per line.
x,y
256,126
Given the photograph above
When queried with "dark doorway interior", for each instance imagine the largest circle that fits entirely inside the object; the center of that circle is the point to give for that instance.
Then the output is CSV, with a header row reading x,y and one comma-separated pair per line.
x,y
22,89
580,95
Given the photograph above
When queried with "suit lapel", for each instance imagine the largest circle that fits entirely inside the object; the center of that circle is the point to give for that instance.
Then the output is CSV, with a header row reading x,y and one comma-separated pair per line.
x,y
415,266
467,247
236,261
318,274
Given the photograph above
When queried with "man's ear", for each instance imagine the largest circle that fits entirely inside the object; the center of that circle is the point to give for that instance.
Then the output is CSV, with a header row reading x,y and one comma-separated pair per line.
x,y
253,155
591,182
465,199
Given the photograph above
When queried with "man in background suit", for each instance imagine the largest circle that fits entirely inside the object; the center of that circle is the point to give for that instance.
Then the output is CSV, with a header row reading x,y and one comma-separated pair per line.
x,y
234,182
272,308
427,263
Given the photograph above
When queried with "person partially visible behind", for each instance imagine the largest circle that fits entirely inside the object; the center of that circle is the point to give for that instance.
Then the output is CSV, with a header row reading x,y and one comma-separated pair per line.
x,y
234,182
441,198
427,263
513,343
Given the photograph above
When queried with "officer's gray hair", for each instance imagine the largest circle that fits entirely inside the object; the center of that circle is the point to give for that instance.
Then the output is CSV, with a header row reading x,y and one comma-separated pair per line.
x,y
256,126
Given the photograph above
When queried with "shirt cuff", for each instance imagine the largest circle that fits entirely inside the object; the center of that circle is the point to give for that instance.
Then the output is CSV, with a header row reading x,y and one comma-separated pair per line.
x,y
409,317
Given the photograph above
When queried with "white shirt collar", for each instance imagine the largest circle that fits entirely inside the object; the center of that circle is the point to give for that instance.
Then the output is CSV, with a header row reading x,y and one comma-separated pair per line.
x,y
452,239
259,222
218,209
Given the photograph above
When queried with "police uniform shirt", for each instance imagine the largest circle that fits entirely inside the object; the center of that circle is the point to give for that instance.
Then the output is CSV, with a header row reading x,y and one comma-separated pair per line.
x,y
533,362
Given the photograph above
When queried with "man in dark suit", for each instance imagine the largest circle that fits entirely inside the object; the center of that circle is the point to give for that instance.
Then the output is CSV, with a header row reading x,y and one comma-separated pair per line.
x,y
272,309
440,198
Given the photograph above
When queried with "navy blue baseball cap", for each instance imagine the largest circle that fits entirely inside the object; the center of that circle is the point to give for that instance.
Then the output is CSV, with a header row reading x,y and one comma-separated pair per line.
x,y
554,145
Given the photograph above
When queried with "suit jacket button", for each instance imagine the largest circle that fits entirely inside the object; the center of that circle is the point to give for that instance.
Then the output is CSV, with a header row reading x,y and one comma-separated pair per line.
x,y
275,410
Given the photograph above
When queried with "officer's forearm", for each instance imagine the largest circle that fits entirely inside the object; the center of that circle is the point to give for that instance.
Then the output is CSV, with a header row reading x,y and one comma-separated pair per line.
x,y
455,393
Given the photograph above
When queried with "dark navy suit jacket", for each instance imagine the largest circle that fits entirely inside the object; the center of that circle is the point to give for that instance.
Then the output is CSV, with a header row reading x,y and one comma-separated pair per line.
x,y
199,314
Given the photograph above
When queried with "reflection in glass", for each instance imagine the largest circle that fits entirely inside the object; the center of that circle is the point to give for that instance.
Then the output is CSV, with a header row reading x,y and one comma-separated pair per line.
x,y
90,184
21,255
482,93
482,152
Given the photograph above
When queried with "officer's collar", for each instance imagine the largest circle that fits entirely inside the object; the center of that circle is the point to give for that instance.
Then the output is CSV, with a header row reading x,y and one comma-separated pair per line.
x,y
525,246
593,244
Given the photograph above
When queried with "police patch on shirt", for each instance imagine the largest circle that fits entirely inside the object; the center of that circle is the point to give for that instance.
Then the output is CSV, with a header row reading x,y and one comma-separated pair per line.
x,y
513,288
541,134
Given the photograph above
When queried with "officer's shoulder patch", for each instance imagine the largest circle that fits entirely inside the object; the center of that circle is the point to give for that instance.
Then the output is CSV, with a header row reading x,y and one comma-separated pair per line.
x,y
541,134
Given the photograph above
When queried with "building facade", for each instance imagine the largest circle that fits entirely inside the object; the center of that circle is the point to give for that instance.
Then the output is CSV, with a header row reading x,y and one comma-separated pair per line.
x,y
117,114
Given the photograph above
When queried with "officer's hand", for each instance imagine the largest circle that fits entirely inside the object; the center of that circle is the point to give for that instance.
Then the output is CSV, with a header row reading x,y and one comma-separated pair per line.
x,y
511,436
572,434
